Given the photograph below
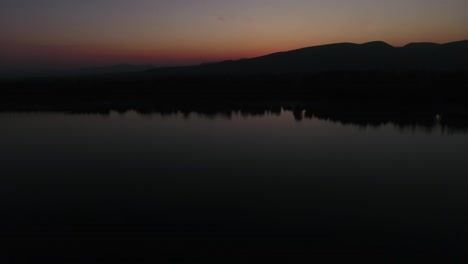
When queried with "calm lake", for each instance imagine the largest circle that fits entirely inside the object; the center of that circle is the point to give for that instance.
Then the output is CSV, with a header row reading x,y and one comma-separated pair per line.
x,y
159,185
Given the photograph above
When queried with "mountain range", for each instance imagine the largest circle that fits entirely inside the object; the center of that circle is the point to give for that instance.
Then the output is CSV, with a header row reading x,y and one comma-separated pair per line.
x,y
416,72
376,56
371,56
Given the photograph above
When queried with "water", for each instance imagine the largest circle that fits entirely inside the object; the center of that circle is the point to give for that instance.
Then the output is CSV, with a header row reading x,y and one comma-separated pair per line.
x,y
229,185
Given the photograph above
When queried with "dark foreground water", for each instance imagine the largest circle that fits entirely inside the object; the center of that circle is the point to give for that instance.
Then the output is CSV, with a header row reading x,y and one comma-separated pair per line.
x,y
131,188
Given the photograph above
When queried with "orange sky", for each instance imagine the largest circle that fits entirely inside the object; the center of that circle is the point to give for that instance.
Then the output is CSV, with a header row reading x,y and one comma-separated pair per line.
x,y
67,33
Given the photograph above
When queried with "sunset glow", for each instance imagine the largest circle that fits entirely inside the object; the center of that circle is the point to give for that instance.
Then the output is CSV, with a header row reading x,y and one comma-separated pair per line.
x,y
72,33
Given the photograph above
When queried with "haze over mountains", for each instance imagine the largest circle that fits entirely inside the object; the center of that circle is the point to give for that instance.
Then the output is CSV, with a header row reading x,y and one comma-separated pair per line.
x,y
55,71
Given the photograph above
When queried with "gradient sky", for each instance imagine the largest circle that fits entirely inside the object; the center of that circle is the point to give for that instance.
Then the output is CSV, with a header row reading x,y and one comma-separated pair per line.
x,y
94,32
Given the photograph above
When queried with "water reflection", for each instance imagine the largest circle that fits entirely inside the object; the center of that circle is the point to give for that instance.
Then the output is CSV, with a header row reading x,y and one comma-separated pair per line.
x,y
250,180
409,120
427,123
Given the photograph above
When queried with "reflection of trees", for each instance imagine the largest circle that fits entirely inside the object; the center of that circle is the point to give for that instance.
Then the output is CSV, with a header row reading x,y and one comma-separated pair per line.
x,y
418,117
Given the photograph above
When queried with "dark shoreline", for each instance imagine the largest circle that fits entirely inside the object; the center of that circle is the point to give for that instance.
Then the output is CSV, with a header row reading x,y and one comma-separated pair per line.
x,y
359,98
413,86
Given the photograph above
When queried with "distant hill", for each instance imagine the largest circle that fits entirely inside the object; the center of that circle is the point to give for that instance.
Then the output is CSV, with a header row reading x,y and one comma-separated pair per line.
x,y
111,69
376,56
6,72
374,71
372,56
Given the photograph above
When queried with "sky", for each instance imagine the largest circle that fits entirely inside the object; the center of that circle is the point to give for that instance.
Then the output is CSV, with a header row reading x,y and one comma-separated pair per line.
x,y
62,33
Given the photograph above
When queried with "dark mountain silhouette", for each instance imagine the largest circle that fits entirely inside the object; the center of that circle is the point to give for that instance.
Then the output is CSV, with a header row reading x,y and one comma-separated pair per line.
x,y
372,56
376,56
374,71
421,46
